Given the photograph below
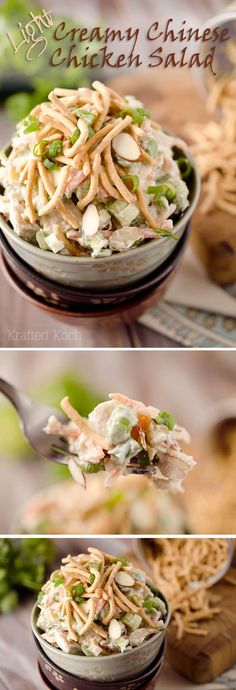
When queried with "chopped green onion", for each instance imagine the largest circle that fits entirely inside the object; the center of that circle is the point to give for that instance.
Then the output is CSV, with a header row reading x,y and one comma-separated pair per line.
x,y
166,233
92,467
31,128
30,118
90,131
132,182
58,580
55,148
31,124
40,148
151,604
151,147
160,190
78,590
49,164
184,167
143,459
96,566
137,114
86,116
92,577
75,135
167,419
119,559
75,593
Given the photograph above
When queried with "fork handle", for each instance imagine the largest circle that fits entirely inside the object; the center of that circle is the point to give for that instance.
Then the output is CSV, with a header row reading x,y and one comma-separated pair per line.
x,y
10,392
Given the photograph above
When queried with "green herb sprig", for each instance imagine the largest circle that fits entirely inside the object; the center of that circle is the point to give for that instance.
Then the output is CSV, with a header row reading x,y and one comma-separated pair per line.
x,y
23,567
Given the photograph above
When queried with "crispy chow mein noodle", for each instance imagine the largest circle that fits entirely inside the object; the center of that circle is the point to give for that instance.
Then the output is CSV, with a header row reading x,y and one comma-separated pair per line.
x,y
92,146
88,606
178,562
214,147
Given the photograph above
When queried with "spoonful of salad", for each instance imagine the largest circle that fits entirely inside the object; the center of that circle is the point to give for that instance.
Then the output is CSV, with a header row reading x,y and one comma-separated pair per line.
x,y
120,437
123,436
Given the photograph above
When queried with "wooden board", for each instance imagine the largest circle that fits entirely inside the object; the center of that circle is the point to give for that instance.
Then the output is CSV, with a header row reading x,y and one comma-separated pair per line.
x,y
202,659
174,98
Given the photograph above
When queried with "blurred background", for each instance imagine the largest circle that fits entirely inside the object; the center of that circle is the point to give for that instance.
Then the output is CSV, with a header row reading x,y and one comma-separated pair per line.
x,y
23,83
31,80
198,388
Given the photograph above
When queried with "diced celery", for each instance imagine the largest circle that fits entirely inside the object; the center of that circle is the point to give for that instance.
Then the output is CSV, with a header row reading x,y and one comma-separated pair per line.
x,y
125,213
86,116
122,643
40,237
53,243
132,620
155,603
120,423
91,649
139,576
82,189
99,245
181,193
151,147
125,451
104,218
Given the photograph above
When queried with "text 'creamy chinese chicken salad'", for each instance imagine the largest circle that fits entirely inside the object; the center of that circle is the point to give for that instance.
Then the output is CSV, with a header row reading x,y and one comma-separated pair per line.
x,y
98,605
90,173
123,436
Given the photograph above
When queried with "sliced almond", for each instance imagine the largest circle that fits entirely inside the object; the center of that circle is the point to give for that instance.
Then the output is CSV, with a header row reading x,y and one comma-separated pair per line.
x,y
126,147
76,472
90,220
124,579
114,629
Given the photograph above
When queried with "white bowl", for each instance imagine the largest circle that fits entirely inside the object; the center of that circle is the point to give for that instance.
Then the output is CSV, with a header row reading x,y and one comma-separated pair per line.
x,y
118,269
114,667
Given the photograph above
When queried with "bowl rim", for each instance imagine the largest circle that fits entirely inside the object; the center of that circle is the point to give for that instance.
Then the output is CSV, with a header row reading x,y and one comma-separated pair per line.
x,y
136,252
92,659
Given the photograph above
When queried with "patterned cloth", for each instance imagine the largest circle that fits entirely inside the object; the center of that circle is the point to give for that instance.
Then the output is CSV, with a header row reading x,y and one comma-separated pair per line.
x,y
191,327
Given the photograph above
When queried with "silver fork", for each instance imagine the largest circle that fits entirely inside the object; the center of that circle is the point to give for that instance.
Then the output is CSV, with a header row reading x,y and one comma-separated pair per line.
x,y
33,418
